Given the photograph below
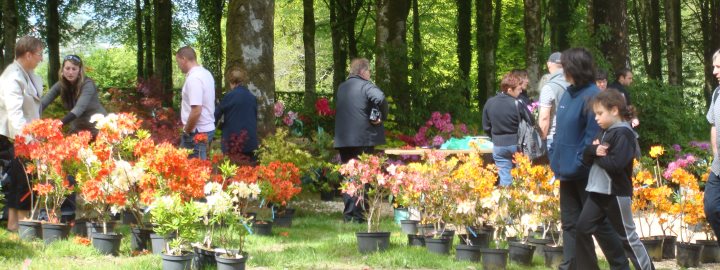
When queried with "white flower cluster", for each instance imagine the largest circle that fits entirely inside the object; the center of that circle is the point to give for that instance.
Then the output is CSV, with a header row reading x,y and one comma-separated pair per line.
x,y
108,122
241,190
125,175
87,156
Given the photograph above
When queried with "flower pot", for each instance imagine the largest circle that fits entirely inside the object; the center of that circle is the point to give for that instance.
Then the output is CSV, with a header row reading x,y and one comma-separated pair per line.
x,y
29,230
400,214
409,226
262,227
669,246
425,229
327,196
139,239
182,262
52,232
438,245
416,240
493,259
93,227
251,215
654,247
467,253
372,241
128,218
539,245
553,256
79,228
203,257
710,252
688,254
284,219
521,253
479,240
225,263
107,244
157,242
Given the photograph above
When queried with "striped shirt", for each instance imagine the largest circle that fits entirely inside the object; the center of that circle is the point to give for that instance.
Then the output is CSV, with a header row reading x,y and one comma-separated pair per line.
x,y
713,116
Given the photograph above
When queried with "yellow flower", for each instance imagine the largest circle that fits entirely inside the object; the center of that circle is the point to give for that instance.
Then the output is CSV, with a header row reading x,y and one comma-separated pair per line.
x,y
656,151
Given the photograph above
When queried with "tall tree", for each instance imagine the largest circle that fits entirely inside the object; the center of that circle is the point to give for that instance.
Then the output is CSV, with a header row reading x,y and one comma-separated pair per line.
x,y
309,45
674,45
417,49
707,13
163,45
533,42
250,45
339,43
139,35
488,23
613,15
637,10
559,14
53,39
211,50
464,49
10,25
391,59
655,70
147,15
2,39
352,9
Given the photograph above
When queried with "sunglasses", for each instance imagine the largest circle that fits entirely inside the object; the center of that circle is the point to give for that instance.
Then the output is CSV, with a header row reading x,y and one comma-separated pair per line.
x,y
73,58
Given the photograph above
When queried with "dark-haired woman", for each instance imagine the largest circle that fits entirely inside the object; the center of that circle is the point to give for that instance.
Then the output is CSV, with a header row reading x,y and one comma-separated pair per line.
x,y
576,128
78,94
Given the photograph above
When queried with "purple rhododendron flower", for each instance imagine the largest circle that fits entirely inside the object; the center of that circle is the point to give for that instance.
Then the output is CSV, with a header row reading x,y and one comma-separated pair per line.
x,y
438,140
463,128
677,147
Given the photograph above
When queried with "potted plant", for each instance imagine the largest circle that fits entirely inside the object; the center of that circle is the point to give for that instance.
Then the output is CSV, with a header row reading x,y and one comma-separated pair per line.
x,y
279,182
171,214
232,238
652,203
367,179
50,153
690,209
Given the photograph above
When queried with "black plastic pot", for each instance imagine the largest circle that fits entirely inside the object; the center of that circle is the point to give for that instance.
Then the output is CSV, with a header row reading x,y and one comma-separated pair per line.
x,y
688,254
467,253
669,243
203,257
539,245
327,196
494,259
373,241
654,247
416,240
284,219
521,253
262,227
29,230
93,227
128,218
478,240
225,263
182,262
409,226
425,229
79,228
438,245
139,239
157,242
553,256
53,232
710,252
107,244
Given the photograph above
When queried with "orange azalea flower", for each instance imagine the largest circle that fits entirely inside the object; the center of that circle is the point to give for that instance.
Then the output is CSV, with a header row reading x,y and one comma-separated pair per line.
x,y
43,189
81,241
200,138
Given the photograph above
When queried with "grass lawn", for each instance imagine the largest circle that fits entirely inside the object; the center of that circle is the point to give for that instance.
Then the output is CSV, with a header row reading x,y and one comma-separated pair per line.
x,y
318,239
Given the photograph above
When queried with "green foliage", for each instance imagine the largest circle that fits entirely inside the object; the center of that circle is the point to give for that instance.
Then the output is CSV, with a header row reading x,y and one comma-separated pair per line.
x,y
668,115
278,147
172,215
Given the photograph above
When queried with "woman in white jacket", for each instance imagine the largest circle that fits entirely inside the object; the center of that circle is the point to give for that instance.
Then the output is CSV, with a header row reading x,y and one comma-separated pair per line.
x,y
20,92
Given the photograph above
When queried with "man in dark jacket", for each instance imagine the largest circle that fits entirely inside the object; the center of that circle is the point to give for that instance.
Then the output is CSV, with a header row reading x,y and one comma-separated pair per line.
x,y
623,79
355,132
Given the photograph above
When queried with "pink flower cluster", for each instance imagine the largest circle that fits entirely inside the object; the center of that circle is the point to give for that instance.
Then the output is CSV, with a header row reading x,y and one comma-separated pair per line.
x,y
290,118
533,106
677,164
279,109
437,129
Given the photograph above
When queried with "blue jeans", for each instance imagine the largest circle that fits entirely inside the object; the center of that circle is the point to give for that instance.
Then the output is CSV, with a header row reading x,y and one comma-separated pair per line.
x,y
712,202
503,156
187,141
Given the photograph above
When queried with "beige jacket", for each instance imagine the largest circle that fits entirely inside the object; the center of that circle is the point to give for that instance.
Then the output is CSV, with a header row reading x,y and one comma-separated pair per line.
x,y
20,94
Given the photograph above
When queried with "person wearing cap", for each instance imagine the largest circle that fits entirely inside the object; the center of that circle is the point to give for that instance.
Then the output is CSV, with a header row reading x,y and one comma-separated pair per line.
x,y
601,79
78,94
550,94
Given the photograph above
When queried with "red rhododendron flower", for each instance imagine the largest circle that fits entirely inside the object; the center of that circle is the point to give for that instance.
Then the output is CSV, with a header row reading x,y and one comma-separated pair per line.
x,y
322,106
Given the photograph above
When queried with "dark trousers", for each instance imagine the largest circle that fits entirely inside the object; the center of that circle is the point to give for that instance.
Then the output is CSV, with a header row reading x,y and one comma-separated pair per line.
x,y
16,189
712,202
572,199
353,210
618,211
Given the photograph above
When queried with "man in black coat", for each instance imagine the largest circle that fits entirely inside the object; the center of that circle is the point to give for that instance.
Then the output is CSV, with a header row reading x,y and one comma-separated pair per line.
x,y
623,79
355,132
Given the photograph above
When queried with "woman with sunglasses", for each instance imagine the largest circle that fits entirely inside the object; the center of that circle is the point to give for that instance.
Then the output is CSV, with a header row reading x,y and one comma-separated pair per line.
x,y
79,95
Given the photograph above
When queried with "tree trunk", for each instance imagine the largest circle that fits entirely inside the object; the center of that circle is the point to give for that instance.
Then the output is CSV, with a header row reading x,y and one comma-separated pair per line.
x,y
709,19
163,45
338,39
674,45
464,49
486,40
353,8
417,49
613,15
309,45
10,25
140,44
391,60
250,45
210,39
559,16
639,16
2,38
655,71
533,43
53,40
147,14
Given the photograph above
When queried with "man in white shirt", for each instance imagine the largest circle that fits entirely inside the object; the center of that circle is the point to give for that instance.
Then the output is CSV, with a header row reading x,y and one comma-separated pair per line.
x,y
198,103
